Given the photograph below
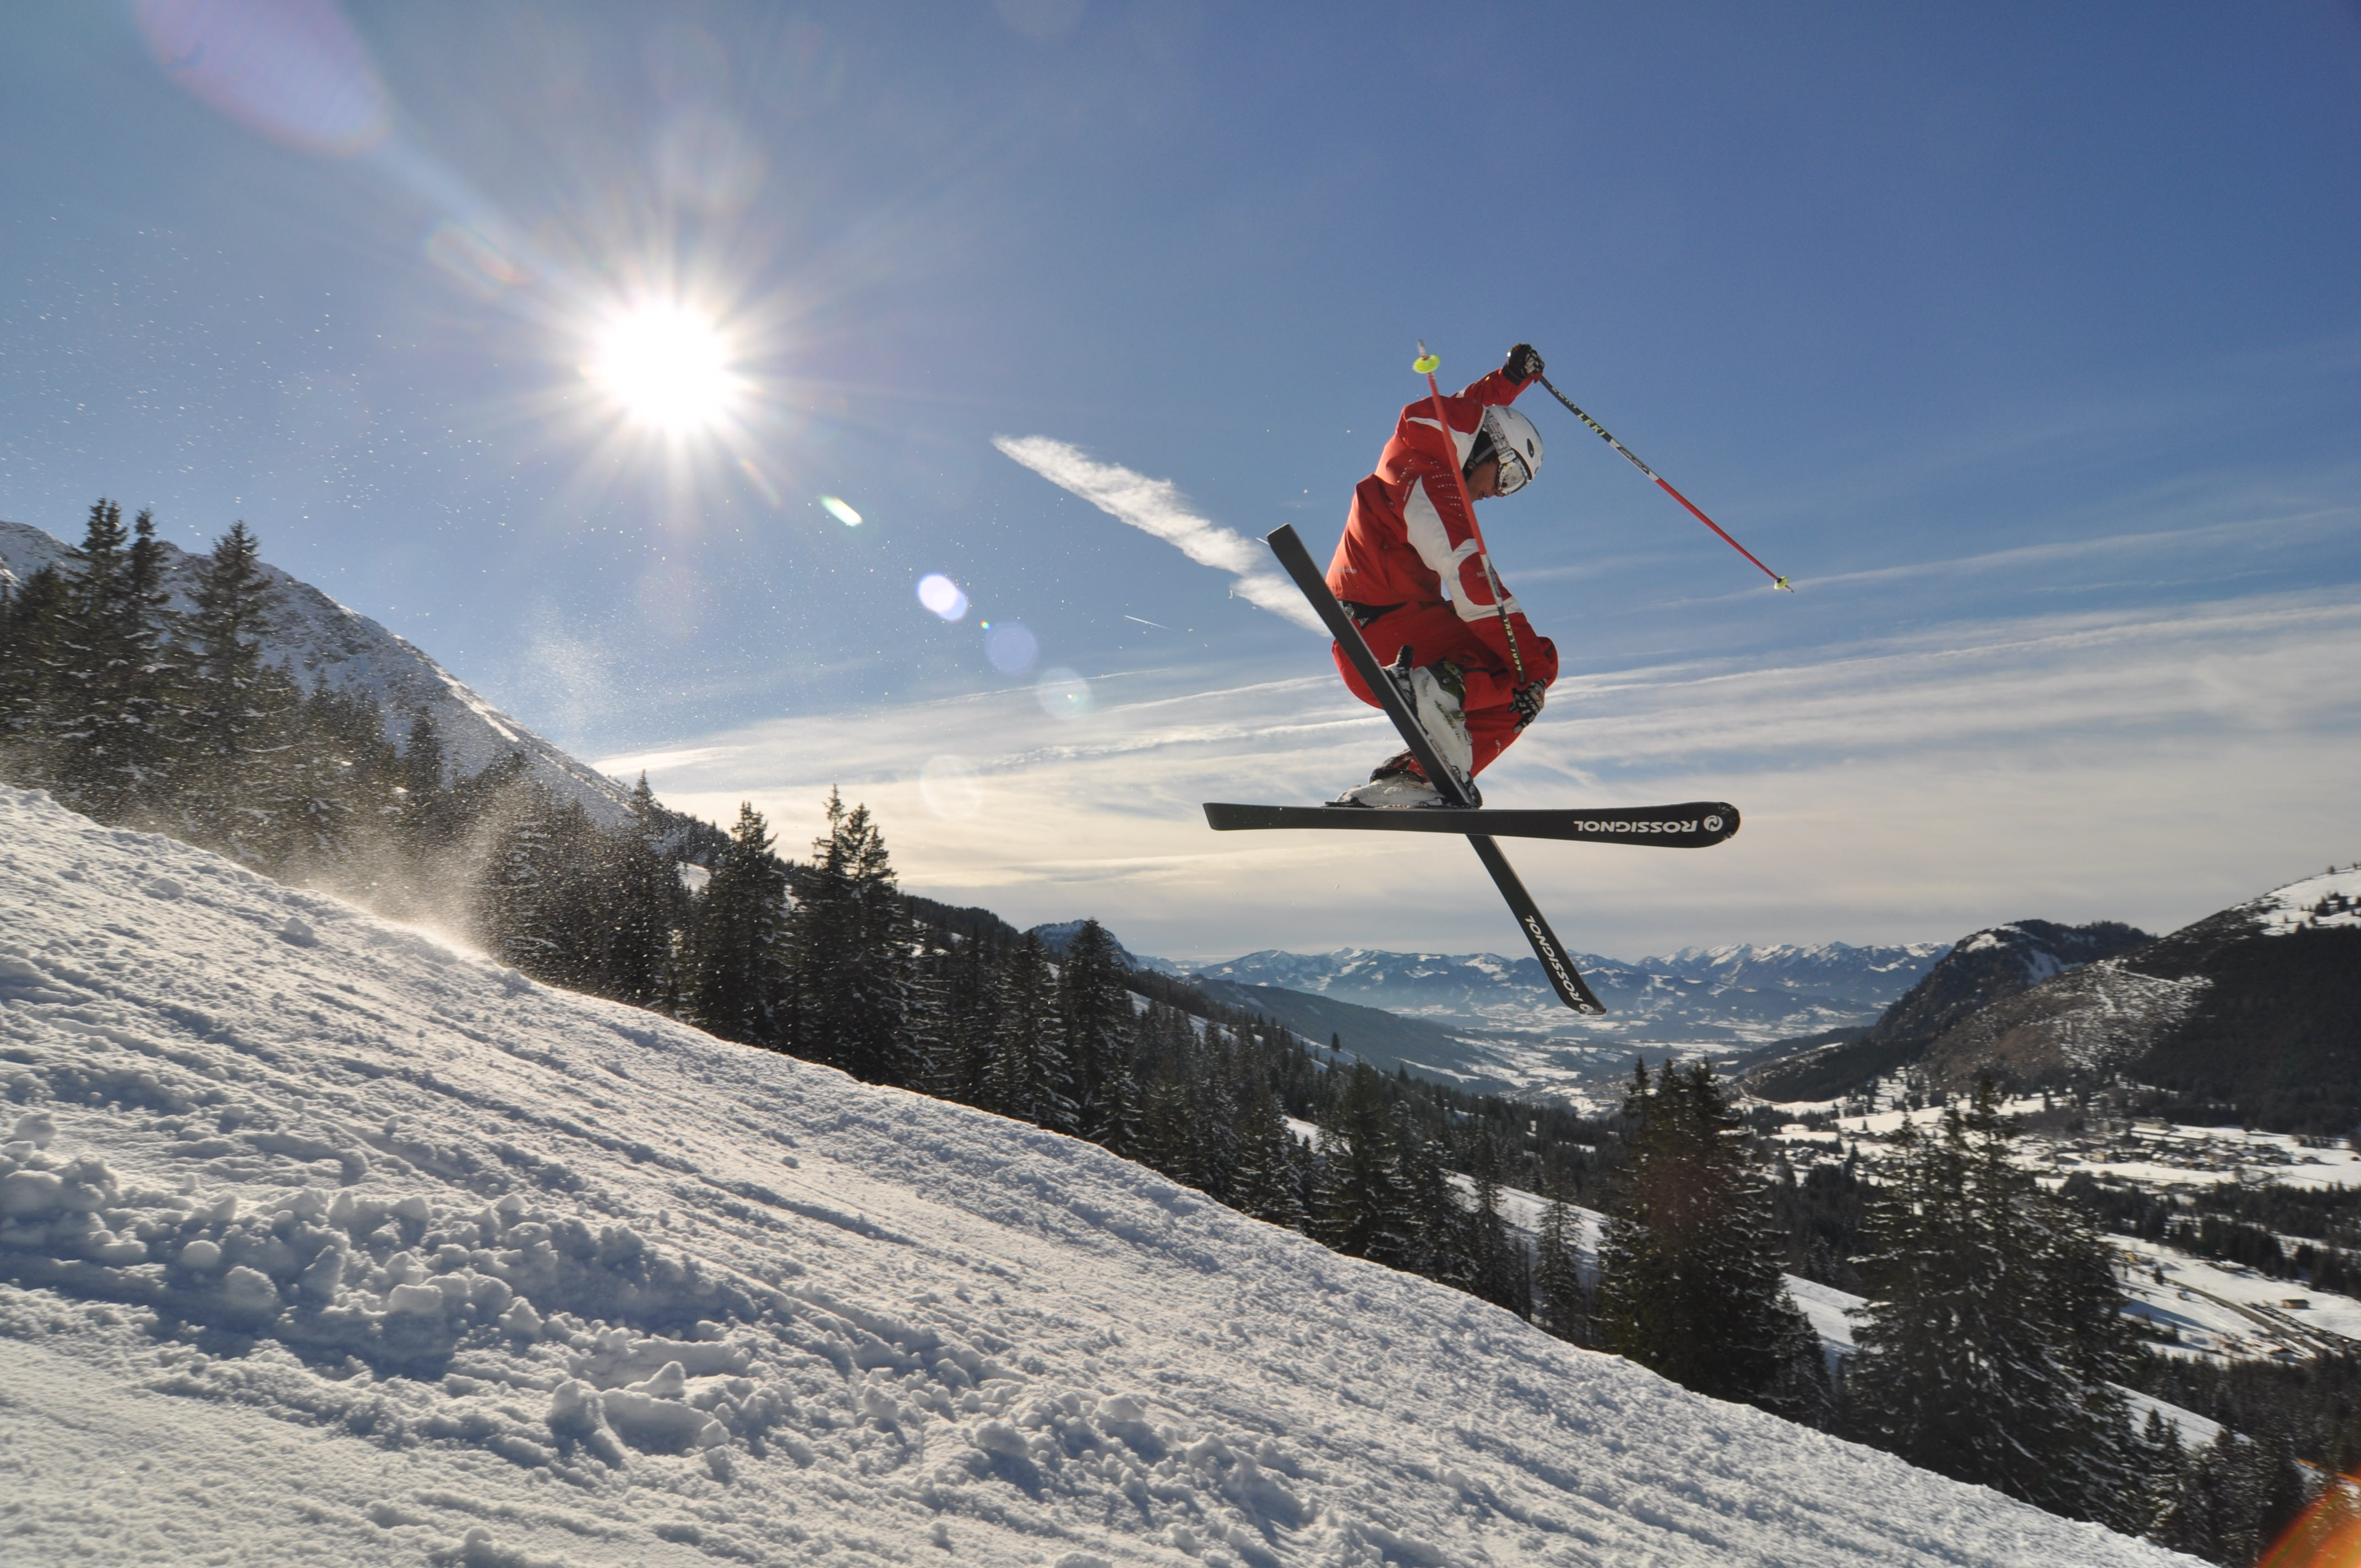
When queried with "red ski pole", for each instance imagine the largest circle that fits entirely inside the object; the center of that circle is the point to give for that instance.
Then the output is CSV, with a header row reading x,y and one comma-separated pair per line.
x,y
1426,364
1776,580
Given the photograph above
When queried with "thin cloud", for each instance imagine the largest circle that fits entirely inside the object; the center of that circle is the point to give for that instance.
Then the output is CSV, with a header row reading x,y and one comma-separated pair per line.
x,y
2149,767
1157,506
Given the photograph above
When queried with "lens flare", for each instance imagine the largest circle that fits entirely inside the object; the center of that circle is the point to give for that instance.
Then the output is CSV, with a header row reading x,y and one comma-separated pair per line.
x,y
760,480
666,366
1064,694
1011,648
942,596
2328,1535
839,511
293,70
948,787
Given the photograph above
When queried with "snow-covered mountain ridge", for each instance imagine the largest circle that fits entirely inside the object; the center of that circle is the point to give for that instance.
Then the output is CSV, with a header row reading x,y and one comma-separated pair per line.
x,y
325,1242
321,642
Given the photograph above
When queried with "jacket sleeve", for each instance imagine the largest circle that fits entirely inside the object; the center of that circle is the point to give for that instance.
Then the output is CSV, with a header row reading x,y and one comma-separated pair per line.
x,y
1440,528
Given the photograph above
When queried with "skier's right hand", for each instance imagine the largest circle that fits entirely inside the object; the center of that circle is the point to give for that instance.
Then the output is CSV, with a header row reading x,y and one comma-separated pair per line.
x,y
1524,364
1527,700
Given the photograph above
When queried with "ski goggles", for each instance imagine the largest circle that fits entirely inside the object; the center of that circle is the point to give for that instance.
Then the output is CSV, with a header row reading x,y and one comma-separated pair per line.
x,y
1513,473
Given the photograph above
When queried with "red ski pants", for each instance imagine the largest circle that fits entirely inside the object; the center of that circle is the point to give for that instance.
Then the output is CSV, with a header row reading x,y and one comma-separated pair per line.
x,y
1434,631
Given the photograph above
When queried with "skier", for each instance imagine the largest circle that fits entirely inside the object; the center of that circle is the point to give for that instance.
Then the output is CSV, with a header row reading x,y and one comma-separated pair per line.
x,y
1411,573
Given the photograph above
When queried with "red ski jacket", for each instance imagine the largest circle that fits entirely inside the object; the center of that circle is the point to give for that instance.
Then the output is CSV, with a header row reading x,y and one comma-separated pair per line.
x,y
1409,533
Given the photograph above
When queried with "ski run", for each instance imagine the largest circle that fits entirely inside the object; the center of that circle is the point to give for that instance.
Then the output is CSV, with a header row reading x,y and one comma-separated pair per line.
x,y
328,1242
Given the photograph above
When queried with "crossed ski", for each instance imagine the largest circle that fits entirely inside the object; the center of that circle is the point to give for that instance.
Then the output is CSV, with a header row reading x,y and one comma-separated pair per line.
x,y
1693,826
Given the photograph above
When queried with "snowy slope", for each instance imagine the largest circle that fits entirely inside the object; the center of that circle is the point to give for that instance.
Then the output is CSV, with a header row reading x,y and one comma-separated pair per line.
x,y
2333,898
326,1243
320,640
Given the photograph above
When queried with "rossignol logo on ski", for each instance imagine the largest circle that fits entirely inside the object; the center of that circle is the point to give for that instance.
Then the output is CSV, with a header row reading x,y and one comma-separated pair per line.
x,y
1545,944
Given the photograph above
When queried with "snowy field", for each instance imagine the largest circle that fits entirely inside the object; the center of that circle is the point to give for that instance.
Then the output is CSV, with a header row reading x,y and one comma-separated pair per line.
x,y
2225,1309
2154,1155
326,1243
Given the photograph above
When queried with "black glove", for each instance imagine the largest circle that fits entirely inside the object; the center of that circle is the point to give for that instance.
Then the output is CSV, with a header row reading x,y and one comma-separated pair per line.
x,y
1523,363
1527,700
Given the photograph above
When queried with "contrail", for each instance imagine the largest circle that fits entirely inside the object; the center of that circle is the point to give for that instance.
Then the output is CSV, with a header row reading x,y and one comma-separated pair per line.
x,y
1156,506
1158,624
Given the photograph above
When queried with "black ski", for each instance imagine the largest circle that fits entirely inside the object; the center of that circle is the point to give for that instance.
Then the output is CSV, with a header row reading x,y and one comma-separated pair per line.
x,y
1695,825
1555,962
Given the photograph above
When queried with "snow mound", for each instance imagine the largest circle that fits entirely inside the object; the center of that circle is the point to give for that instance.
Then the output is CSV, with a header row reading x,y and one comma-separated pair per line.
x,y
327,1242
2333,898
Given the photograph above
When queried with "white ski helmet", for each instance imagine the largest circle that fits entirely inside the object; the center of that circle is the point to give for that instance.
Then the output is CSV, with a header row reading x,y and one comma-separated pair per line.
x,y
1511,437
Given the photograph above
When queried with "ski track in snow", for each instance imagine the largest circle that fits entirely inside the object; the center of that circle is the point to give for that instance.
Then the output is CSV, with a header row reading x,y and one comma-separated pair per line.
x,y
323,1242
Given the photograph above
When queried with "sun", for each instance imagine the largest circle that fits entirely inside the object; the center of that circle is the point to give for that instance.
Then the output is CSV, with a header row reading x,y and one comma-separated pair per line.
x,y
666,366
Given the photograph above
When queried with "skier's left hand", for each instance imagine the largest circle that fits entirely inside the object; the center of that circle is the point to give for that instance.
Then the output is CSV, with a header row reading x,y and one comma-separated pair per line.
x,y
1524,364
1527,700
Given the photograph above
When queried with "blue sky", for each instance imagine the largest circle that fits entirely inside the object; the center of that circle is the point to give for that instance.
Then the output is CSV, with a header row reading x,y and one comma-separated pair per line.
x,y
2028,340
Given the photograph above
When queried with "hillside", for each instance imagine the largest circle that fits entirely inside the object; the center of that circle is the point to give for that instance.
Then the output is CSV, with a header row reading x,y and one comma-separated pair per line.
x,y
2253,1013
1979,970
319,641
374,1252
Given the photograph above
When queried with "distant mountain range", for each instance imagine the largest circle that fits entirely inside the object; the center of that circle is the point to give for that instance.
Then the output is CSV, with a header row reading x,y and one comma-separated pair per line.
x,y
321,643
1494,1023
1736,997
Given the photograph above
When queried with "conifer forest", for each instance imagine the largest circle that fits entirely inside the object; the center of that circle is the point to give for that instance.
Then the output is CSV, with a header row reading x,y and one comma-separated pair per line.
x,y
1993,1349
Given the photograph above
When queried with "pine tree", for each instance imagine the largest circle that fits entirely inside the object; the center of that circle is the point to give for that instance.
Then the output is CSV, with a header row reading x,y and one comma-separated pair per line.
x,y
1689,1281
1095,1008
1265,1184
430,819
1994,1330
1562,1303
338,781
1166,1141
1439,1230
1030,1071
642,903
1501,1270
32,636
235,713
2237,1496
853,951
109,713
1361,1209
740,978
1214,1089
517,913
2163,1465
961,1069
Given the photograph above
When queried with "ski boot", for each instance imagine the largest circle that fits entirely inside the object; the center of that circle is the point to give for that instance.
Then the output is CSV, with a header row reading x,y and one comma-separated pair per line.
x,y
1400,781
